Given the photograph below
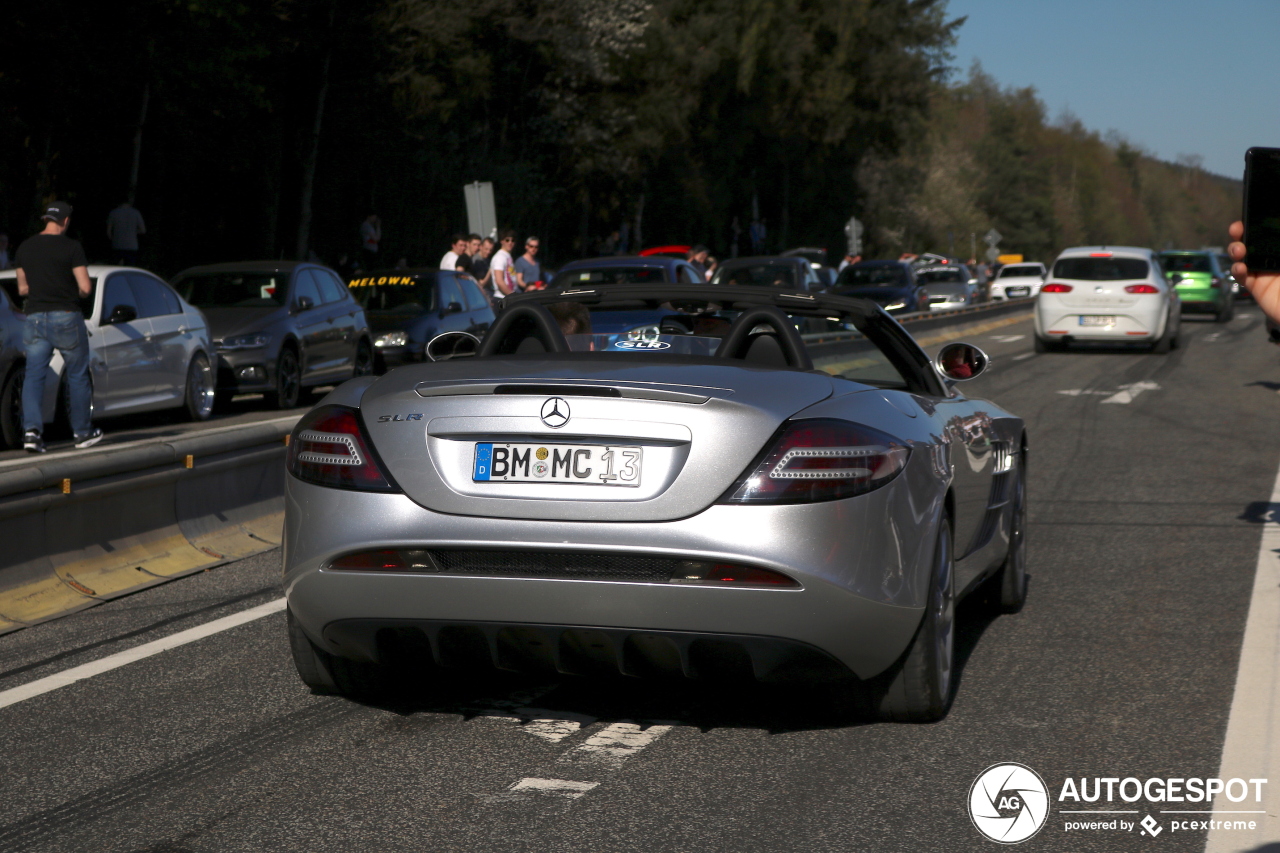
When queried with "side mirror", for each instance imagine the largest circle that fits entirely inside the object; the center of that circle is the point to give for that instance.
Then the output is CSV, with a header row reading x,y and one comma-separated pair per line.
x,y
122,314
453,308
960,361
305,303
452,345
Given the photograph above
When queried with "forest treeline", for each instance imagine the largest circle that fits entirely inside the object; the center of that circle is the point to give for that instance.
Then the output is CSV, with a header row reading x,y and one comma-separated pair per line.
x,y
271,128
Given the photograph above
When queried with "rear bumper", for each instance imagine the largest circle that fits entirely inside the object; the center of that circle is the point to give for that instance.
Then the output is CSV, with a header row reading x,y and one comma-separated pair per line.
x,y
1056,322
859,604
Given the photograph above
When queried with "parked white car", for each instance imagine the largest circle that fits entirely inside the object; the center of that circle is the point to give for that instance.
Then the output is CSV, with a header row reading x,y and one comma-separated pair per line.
x,y
1111,294
149,349
1017,280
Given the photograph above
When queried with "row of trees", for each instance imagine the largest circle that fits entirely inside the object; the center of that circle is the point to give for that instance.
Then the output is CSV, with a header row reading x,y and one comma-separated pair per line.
x,y
270,128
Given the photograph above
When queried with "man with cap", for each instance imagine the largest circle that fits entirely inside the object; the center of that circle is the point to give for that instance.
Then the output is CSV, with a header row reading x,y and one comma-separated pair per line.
x,y
53,275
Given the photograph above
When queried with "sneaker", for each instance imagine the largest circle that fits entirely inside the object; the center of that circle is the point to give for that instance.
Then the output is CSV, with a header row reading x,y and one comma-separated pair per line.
x,y
32,442
89,439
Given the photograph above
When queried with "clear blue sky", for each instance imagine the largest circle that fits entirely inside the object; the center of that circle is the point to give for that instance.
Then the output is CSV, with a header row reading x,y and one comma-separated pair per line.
x,y
1172,76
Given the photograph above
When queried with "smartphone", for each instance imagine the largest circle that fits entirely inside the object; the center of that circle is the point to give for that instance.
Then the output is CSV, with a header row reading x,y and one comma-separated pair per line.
x,y
1262,209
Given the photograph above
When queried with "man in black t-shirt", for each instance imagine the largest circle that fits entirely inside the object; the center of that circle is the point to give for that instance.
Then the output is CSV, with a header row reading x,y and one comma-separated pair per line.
x,y
53,275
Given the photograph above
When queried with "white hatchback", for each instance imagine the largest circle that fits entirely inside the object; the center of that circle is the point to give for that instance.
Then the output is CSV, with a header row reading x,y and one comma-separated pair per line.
x,y
1108,294
1015,281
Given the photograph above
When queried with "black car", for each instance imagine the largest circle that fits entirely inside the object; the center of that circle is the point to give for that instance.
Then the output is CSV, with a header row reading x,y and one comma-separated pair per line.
x,y
279,327
407,308
892,284
626,269
794,273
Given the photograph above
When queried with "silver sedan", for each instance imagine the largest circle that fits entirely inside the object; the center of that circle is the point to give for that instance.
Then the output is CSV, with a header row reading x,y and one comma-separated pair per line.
x,y
148,348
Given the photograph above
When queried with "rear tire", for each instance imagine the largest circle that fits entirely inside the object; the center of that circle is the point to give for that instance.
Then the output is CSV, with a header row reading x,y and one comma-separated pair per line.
x,y
288,390
311,663
328,674
11,407
1010,581
200,396
364,364
1046,345
920,690
1162,346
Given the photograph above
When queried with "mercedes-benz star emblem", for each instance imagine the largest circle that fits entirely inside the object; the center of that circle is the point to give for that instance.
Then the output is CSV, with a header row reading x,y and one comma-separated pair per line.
x,y
555,412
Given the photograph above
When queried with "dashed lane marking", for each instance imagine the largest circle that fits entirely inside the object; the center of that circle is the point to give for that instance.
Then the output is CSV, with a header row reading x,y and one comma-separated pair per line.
x,y
551,787
1024,355
616,743
79,673
1006,339
1130,392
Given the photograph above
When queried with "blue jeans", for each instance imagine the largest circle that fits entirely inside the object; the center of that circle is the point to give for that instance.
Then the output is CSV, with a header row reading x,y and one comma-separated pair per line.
x,y
64,331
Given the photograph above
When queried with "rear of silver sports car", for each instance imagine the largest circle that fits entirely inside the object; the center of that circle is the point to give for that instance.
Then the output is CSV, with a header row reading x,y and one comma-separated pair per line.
x,y
585,517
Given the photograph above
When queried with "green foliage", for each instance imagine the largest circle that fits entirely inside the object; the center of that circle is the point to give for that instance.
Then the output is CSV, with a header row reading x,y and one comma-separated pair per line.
x,y
582,113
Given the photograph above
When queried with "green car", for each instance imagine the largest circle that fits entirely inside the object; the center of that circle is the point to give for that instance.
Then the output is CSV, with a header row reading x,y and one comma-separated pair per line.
x,y
1204,287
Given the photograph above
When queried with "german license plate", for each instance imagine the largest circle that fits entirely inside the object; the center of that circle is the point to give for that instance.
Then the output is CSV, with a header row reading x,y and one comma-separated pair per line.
x,y
1016,291
596,464
1097,320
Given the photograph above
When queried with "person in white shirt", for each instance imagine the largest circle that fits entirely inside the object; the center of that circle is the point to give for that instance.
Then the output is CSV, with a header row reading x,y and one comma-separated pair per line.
x,y
502,267
451,260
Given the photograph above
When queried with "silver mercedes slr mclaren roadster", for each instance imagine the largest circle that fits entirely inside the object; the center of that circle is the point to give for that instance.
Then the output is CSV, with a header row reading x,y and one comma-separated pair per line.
x,y
733,482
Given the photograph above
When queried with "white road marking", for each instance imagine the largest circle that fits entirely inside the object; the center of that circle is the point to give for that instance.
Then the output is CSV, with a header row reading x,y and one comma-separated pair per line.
x,y
1213,337
1252,746
78,673
549,729
1076,392
552,787
1024,355
616,743
1130,392
1007,339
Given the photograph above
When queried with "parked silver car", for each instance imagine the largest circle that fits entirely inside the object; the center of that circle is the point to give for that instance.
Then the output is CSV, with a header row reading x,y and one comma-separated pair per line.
x,y
148,348
702,503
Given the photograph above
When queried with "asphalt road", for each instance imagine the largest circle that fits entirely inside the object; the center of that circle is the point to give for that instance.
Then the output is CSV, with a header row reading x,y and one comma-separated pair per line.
x,y
1149,480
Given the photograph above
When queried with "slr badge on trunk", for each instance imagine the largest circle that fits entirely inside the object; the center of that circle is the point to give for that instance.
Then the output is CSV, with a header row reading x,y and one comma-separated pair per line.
x,y
555,412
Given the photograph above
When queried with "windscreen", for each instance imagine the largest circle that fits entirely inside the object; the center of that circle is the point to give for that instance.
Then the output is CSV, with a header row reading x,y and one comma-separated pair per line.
x,y
396,294
1186,263
621,274
948,275
1020,272
1100,269
886,276
234,289
758,275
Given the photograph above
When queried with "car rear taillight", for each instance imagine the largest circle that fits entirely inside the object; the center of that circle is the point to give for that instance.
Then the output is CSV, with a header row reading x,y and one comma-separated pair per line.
x,y
820,460
329,448
1141,288
1056,288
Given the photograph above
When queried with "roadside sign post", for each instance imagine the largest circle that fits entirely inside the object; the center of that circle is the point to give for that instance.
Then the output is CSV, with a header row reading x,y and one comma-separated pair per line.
x,y
853,235
992,238
482,217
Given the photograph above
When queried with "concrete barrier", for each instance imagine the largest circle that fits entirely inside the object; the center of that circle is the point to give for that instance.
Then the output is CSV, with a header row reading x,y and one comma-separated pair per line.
x,y
81,528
